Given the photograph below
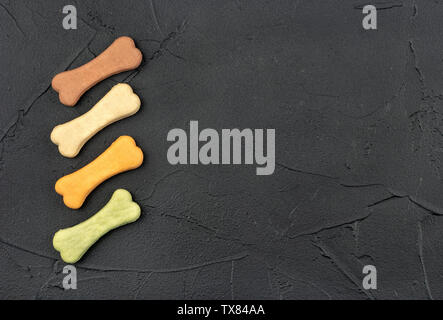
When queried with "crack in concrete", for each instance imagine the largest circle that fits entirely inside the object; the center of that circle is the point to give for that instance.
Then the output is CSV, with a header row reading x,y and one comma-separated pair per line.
x,y
343,269
22,112
231,281
20,248
382,5
281,165
163,47
235,257
422,262
154,15
13,19
292,278
429,207
330,227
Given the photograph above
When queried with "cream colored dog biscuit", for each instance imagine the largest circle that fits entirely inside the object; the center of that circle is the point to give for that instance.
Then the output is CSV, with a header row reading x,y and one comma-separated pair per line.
x,y
121,55
72,243
120,102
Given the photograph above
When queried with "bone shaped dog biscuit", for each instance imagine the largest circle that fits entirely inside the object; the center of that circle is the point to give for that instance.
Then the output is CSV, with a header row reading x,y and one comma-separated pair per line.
x,y
121,55
120,102
122,155
72,243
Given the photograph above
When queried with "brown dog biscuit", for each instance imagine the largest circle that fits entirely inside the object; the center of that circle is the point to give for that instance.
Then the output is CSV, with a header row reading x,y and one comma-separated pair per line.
x,y
121,55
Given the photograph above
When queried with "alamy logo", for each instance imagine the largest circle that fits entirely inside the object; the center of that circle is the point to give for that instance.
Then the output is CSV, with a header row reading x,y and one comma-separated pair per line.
x,y
217,150
370,280
70,20
70,281
370,20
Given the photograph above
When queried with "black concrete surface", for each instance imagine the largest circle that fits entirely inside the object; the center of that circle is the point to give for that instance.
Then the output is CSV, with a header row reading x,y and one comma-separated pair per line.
x,y
359,148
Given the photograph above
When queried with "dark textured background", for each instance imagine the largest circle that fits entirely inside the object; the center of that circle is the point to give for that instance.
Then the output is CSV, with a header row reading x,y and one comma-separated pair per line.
x,y
359,144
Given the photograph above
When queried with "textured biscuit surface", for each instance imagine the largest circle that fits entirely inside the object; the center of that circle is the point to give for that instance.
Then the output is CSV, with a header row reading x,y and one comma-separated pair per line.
x,y
120,102
72,243
122,155
121,55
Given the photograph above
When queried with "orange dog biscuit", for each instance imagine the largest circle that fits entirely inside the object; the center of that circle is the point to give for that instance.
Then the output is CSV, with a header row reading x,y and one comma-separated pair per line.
x,y
121,55
122,155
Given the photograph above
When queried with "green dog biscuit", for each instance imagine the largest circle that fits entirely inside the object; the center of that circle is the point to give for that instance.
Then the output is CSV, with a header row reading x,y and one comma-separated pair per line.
x,y
72,243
